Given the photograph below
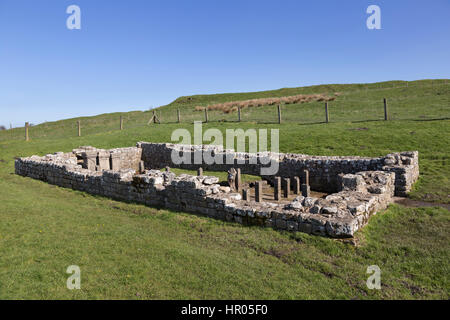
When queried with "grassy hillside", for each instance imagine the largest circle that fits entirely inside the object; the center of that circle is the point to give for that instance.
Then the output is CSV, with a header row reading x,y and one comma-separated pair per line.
x,y
131,251
413,100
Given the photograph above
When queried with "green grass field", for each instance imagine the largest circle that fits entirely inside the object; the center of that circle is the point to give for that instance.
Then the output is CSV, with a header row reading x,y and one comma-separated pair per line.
x,y
129,251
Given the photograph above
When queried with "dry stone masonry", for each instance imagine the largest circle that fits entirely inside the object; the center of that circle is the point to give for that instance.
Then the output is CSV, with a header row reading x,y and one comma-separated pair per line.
x,y
358,187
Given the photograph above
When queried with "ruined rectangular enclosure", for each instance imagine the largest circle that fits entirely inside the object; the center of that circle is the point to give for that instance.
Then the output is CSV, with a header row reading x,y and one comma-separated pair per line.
x,y
357,187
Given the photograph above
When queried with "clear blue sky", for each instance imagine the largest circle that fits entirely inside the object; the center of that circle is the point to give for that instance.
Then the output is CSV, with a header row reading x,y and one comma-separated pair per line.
x,y
130,55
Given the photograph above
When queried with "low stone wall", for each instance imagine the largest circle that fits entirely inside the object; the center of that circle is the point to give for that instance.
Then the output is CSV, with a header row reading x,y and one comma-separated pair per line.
x,y
338,215
323,170
114,159
362,186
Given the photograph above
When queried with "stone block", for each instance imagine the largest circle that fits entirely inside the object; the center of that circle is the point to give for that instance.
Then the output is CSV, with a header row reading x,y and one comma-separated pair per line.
x,y
306,190
286,187
277,188
89,160
296,185
258,191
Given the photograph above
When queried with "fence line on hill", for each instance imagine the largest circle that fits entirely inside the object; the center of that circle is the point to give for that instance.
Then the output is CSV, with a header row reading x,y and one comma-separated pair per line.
x,y
333,111
327,118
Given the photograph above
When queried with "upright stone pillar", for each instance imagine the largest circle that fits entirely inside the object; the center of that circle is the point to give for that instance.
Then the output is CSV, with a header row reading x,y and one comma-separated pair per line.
x,y
115,161
200,172
89,159
103,160
231,178
238,181
258,191
141,167
277,188
305,177
246,194
306,190
296,185
287,187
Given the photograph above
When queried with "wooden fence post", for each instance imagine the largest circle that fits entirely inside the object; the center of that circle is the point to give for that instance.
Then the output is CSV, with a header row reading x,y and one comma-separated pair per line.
x,y
178,115
121,123
385,109
79,128
206,114
154,118
279,114
26,131
327,118
239,114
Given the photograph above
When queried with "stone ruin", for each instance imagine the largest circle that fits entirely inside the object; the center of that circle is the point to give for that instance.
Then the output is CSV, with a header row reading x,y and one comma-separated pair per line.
x,y
353,188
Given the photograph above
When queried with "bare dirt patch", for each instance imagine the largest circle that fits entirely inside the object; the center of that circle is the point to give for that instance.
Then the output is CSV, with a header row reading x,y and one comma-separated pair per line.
x,y
416,203
359,129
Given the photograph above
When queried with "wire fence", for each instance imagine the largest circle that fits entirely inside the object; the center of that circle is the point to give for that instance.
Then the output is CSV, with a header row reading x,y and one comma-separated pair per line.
x,y
366,103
